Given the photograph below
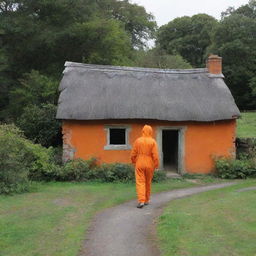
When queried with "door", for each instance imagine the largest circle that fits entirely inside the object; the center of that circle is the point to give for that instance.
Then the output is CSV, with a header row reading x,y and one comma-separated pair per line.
x,y
170,149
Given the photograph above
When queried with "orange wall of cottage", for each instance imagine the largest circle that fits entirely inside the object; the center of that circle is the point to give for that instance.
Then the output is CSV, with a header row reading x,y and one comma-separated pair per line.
x,y
202,141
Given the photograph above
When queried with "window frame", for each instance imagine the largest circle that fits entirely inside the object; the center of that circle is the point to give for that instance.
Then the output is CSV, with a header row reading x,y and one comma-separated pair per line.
x,y
125,146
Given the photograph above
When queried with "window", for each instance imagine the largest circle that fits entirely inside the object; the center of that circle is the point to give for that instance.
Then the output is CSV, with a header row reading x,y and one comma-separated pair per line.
x,y
117,138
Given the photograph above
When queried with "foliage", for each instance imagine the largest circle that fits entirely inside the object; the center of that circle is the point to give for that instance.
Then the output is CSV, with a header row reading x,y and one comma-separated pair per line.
x,y
159,176
33,104
235,169
116,172
42,166
37,37
234,39
4,81
76,170
248,10
156,58
40,125
14,161
34,89
137,22
50,25
84,170
99,41
88,170
21,161
188,36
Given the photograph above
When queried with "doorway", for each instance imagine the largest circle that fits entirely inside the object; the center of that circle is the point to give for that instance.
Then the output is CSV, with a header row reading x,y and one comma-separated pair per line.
x,y
170,149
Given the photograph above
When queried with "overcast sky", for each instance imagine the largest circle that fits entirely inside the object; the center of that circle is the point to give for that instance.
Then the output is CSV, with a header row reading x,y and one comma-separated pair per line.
x,y
167,10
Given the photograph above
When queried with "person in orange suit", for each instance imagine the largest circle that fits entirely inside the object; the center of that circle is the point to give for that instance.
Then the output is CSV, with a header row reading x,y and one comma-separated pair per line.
x,y
145,157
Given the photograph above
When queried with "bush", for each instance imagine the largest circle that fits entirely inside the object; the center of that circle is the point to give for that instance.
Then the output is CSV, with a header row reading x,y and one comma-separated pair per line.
x,y
116,172
75,170
159,176
13,161
42,167
235,169
84,170
21,161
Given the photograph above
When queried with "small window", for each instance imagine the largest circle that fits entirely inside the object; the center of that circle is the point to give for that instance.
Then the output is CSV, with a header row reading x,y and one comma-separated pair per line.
x,y
117,136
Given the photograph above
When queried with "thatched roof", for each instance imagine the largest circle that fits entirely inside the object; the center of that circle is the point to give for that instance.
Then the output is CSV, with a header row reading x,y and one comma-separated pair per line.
x,y
94,92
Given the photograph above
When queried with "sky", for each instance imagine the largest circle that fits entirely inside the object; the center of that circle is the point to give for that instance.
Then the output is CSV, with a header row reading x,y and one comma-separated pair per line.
x,y
167,10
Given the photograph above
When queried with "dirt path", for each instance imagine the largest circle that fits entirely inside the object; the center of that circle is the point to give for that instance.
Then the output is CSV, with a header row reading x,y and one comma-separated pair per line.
x,y
125,230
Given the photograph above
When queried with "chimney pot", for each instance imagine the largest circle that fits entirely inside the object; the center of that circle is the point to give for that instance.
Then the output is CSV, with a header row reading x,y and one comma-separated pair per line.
x,y
214,64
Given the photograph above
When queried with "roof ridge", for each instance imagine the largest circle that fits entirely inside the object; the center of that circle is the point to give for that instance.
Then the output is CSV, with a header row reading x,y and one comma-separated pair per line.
x,y
135,69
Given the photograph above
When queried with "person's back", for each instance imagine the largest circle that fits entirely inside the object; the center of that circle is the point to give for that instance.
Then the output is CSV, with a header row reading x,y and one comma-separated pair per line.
x,y
145,157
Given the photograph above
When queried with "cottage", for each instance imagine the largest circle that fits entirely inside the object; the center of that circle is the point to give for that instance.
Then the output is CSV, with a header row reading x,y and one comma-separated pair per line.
x,y
191,111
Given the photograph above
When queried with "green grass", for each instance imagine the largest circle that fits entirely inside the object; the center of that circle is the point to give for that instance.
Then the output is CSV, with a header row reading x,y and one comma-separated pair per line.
x,y
246,125
214,223
53,220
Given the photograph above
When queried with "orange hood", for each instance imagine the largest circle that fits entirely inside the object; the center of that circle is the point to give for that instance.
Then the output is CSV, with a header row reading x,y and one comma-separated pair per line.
x,y
147,131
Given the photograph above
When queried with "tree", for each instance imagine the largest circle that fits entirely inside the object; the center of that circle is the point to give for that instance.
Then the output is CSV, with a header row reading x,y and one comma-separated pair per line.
x,y
140,25
98,41
34,89
4,82
41,35
188,36
235,41
248,10
40,125
156,58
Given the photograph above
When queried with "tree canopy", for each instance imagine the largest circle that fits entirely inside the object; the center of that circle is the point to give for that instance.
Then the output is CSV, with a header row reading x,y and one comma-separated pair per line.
x,y
41,35
235,40
156,58
188,36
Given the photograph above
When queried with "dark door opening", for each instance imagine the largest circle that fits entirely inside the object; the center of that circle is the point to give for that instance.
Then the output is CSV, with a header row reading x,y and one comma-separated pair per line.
x,y
170,149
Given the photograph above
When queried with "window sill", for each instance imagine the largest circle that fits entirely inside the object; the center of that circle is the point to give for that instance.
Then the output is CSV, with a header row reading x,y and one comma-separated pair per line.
x,y
117,147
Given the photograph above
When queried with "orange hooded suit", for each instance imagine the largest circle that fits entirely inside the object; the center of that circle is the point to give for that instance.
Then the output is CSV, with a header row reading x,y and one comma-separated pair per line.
x,y
145,157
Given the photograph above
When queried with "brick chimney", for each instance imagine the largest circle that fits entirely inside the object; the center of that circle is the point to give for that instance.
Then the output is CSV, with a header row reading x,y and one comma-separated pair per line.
x,y
214,64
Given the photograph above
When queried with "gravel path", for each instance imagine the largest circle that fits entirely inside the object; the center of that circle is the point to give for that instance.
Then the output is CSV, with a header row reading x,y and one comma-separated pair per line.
x,y
125,230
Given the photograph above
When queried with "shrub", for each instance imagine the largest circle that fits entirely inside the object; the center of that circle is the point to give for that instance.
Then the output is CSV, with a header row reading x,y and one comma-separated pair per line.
x,y
85,170
159,176
75,170
42,167
21,161
13,161
116,172
235,169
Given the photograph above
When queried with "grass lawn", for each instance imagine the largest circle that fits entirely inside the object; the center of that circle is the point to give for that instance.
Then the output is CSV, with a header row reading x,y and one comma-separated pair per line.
x,y
246,125
214,223
53,219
